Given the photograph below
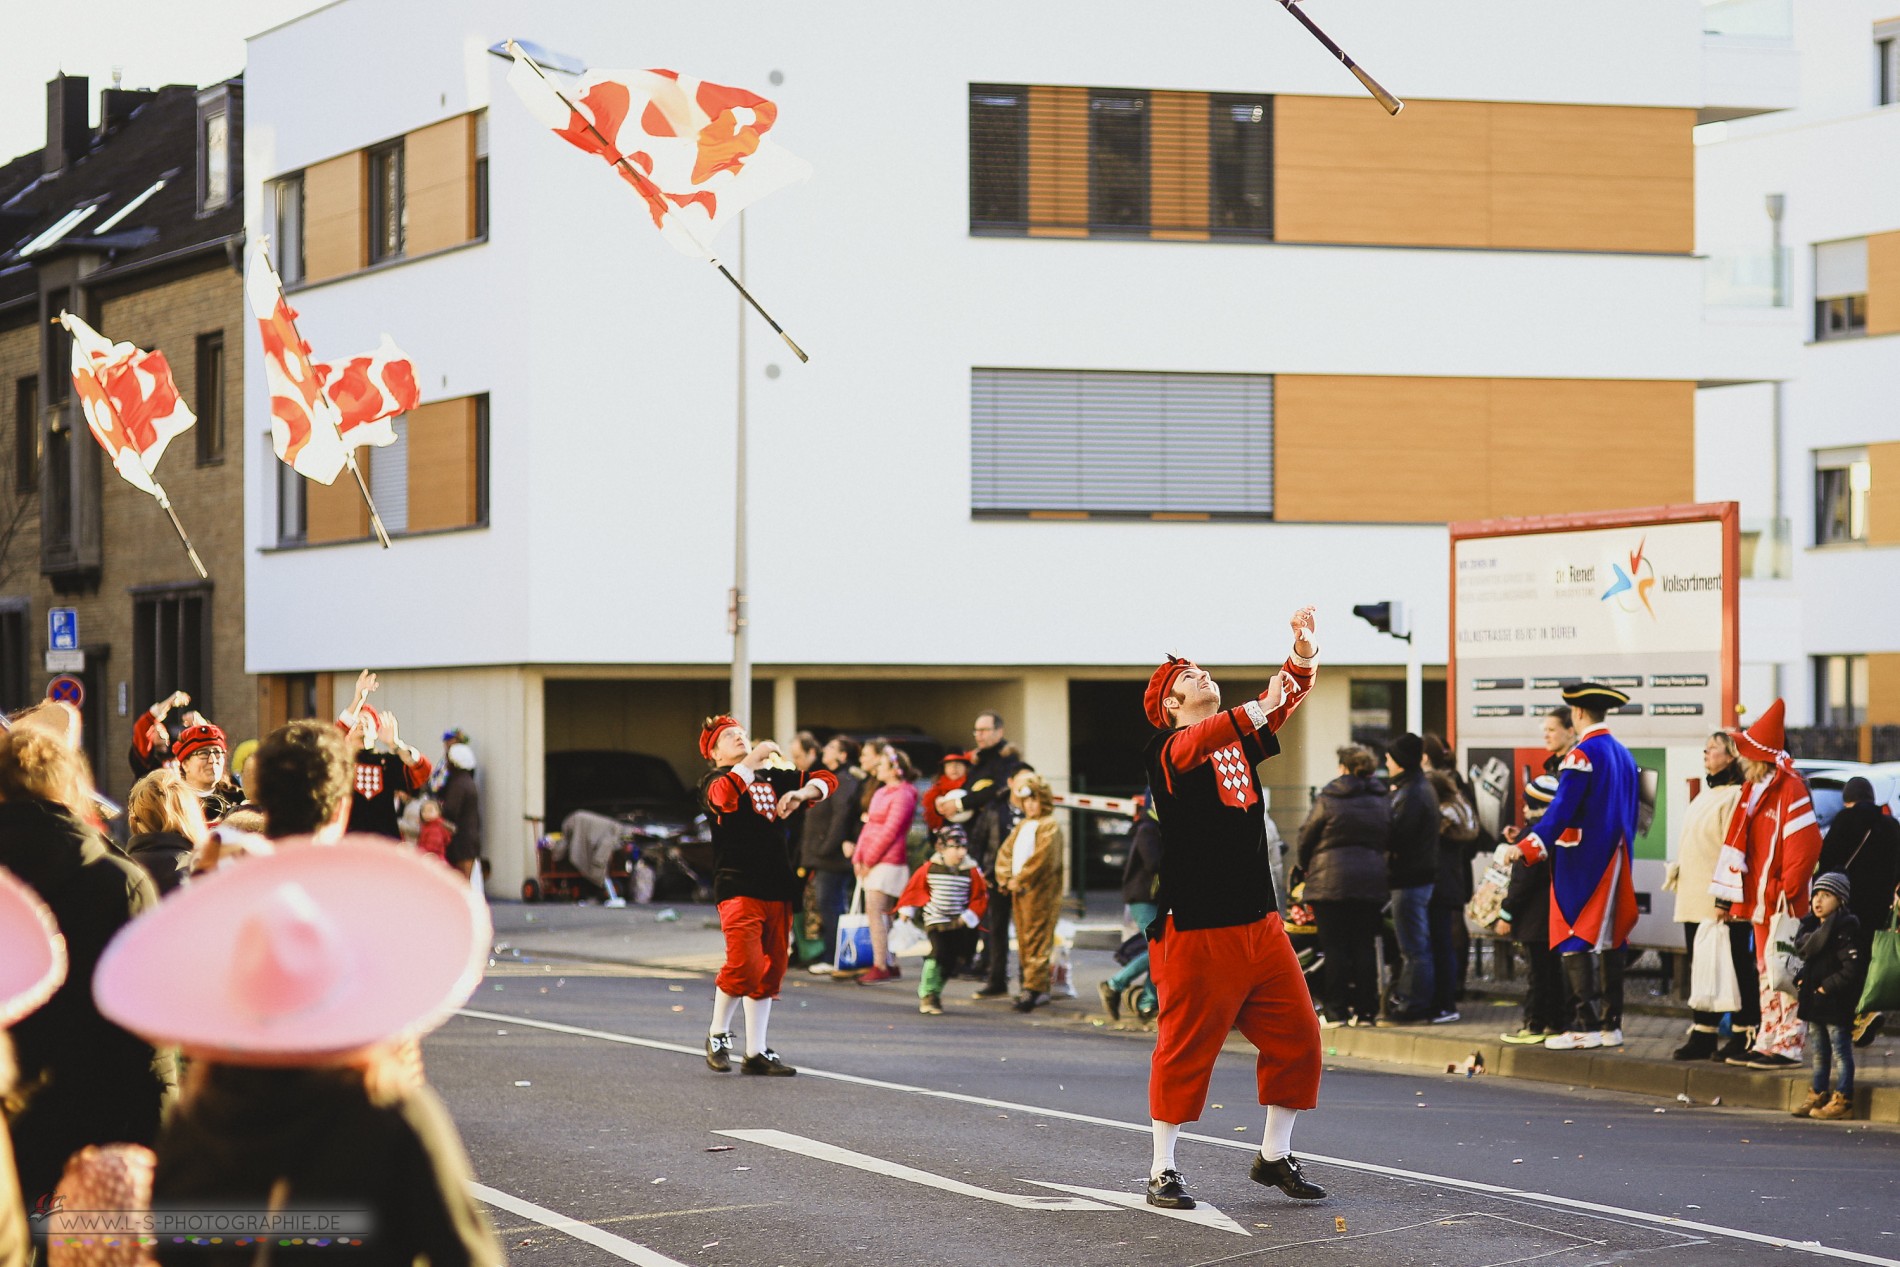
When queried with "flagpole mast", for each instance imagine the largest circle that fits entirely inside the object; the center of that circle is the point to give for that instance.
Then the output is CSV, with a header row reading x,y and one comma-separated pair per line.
x,y
736,616
190,551
375,520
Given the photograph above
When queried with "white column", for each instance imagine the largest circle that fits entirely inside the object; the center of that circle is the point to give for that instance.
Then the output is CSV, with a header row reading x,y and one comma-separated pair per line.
x,y
784,710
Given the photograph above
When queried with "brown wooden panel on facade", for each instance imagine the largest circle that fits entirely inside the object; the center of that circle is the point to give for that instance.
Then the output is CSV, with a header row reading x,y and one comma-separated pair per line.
x,y
1474,173
1431,450
444,465
1883,283
1058,161
1177,165
336,217
439,184
335,512
1883,689
1883,493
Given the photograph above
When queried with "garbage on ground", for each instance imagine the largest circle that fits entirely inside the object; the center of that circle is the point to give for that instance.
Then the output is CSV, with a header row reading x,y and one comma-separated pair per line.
x,y
720,1148
524,1083
667,916
1339,1223
661,1179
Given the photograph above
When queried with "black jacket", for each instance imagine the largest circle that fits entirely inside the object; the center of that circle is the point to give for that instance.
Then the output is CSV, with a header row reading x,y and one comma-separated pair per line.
x,y
1832,969
1872,840
1142,871
1527,903
1452,886
1412,849
82,1079
1342,843
462,807
165,855
986,795
824,827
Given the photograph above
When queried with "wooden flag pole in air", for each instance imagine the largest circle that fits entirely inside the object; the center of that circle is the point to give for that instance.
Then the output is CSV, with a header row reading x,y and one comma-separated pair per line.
x,y
1391,103
644,183
190,551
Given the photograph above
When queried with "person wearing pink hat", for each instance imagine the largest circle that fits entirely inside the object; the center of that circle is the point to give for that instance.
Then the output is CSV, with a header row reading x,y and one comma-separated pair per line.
x,y
32,966
274,977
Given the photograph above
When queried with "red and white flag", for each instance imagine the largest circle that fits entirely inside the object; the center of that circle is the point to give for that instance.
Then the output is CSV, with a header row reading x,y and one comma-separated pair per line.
x,y
305,422
130,401
697,152
369,391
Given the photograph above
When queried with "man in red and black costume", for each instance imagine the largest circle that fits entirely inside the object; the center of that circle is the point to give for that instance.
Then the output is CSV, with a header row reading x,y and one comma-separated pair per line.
x,y
755,881
1218,953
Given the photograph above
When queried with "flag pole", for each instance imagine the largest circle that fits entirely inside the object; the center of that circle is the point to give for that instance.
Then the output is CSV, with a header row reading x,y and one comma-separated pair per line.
x,y
362,486
641,180
191,551
736,616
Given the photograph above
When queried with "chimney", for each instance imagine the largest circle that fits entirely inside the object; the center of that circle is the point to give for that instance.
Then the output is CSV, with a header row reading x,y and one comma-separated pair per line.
x,y
67,113
116,105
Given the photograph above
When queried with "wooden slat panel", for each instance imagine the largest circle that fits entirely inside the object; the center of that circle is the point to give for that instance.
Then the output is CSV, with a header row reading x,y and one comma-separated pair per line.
x,y
1560,445
1622,141
439,174
1418,179
1177,173
1883,689
335,512
1385,450
1592,213
336,217
1883,494
1883,283
1058,162
443,465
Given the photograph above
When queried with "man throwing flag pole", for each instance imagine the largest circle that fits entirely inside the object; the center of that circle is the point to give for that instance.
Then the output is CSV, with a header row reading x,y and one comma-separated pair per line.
x,y
1588,833
1218,953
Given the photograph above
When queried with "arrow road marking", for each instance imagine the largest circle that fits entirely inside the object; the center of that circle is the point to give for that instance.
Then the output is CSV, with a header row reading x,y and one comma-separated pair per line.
x,y
1203,1214
896,1170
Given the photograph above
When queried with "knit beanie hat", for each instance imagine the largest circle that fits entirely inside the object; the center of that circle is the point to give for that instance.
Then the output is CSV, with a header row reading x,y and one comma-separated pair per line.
x,y
1833,882
1408,750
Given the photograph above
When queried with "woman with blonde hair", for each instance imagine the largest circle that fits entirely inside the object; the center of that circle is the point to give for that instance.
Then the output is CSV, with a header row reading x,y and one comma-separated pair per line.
x,y
168,828
1029,869
83,1079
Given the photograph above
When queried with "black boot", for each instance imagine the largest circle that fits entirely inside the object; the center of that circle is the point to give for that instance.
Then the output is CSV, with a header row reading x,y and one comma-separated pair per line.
x,y
1701,1045
1286,1175
1169,1191
1612,963
1739,1041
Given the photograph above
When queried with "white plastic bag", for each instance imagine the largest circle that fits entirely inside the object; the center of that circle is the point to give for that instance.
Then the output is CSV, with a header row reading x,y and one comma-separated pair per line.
x,y
854,936
1783,963
1713,985
908,939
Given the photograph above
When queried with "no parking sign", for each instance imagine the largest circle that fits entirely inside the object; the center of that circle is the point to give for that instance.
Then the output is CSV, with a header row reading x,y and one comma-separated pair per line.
x,y
66,689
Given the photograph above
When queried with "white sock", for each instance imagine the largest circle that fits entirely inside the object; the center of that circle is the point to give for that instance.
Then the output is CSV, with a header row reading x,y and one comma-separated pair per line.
x,y
1166,1133
723,1006
1278,1140
757,1013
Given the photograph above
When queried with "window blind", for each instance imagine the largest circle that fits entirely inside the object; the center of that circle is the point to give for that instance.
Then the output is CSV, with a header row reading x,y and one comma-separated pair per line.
x,y
1117,443
1840,268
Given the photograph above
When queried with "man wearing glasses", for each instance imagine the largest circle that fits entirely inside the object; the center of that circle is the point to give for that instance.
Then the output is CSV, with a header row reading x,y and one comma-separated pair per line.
x,y
982,806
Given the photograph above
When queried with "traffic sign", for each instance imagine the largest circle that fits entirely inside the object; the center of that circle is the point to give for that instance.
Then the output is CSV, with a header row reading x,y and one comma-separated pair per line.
x,y
62,628
66,689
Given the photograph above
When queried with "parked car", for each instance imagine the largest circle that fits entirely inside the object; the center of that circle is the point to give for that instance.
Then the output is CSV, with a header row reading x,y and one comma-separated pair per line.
x,y
1826,780
644,792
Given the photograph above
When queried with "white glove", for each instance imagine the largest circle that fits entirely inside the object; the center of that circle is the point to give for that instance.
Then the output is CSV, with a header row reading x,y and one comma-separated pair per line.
x,y
968,919
907,912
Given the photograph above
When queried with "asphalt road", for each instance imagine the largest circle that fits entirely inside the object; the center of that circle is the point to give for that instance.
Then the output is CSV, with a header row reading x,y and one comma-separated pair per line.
x,y
959,1139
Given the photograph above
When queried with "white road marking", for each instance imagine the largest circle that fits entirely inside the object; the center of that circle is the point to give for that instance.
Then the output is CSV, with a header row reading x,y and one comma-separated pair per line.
x,y
618,1246
1143,1128
1202,1214
897,1170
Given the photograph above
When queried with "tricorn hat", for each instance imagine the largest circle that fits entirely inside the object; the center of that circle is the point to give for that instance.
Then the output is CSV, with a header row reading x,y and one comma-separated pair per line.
x,y
1596,697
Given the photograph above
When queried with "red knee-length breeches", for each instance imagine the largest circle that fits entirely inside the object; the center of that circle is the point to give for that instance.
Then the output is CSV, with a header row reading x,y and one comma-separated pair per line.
x,y
1211,980
758,942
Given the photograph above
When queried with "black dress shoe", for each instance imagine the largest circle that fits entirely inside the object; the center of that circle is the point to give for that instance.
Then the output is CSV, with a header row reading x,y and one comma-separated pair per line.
x,y
1030,1000
991,992
1169,1191
767,1064
719,1053
1285,1174
1111,1000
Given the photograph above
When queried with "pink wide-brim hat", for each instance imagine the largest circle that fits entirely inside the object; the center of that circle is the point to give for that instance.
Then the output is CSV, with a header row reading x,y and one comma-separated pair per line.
x,y
32,950
310,955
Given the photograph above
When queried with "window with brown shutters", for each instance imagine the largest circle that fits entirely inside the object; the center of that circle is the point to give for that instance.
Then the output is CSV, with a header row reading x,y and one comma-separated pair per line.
x,y
433,478
1079,444
1048,161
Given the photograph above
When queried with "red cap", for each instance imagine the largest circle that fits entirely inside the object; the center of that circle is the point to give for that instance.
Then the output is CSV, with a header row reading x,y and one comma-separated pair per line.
x,y
1158,687
194,738
967,758
710,732
1767,739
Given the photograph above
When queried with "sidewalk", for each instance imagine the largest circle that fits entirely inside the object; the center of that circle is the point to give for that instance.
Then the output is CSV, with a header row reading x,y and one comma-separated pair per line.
x,y
1652,1028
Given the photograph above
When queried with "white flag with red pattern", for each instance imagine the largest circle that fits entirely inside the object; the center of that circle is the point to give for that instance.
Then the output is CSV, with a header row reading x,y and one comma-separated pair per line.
x,y
305,423
130,402
369,392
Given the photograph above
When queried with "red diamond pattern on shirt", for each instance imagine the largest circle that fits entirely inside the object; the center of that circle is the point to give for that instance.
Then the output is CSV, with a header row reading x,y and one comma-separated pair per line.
x,y
1235,775
764,799
369,779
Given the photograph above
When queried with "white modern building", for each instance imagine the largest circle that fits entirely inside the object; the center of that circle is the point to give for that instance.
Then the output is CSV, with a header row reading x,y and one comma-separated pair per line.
x,y
1805,207
1130,331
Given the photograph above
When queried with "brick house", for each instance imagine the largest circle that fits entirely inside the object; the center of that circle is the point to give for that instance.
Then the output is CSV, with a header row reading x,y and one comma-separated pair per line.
x,y
136,225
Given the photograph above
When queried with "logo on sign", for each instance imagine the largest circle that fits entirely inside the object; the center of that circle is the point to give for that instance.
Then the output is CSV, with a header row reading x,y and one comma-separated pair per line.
x,y
1632,587
62,629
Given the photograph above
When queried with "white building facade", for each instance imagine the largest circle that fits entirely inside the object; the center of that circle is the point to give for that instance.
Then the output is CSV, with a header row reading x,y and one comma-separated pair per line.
x,y
1128,336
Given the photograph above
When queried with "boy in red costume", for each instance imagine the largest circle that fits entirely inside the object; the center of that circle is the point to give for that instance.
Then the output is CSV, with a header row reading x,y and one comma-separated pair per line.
x,y
755,882
1218,952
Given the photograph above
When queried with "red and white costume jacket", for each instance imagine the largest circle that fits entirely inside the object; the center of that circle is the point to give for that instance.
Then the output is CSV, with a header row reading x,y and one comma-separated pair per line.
x,y
1768,856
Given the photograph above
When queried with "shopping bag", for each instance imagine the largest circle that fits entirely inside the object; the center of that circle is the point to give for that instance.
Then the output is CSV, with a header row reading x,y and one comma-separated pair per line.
x,y
1882,991
908,939
854,936
1713,985
1486,906
1783,964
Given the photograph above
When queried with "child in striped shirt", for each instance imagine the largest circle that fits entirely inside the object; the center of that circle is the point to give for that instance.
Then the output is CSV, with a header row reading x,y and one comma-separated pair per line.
x,y
950,894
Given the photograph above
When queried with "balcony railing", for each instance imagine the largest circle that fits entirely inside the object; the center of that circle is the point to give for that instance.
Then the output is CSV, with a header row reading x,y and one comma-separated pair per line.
x,y
1756,19
1746,279
1767,549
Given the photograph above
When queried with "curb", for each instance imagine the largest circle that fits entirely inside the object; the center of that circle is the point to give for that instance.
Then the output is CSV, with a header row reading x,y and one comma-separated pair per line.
x,y
1611,1070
